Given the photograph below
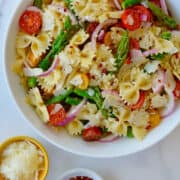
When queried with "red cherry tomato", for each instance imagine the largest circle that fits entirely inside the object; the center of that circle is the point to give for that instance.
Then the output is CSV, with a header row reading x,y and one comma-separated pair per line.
x,y
91,27
92,134
140,102
57,117
134,44
131,19
30,22
177,90
143,11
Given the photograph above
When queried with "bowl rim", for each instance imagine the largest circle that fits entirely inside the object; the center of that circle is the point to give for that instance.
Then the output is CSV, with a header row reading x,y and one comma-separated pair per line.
x,y
39,145
140,148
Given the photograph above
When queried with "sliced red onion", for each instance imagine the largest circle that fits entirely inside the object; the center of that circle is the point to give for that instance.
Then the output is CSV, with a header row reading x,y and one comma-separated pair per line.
x,y
164,6
150,52
170,83
95,34
34,8
57,107
28,71
109,138
117,4
169,109
101,36
71,115
159,82
65,11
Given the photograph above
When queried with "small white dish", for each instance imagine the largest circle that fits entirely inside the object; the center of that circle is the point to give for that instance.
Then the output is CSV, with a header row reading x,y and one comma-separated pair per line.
x,y
80,172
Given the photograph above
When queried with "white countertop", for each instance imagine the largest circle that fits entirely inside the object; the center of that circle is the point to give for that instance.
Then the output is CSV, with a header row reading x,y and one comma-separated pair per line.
x,y
161,162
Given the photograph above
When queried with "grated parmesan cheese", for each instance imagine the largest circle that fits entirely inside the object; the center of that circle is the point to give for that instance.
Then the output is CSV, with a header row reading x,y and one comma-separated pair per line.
x,y
21,161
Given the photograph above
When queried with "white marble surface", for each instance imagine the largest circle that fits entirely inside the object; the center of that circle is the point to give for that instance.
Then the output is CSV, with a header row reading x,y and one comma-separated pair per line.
x,y
161,162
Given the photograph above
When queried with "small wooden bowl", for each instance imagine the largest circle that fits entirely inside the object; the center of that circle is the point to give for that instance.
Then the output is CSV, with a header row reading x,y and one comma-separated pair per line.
x,y
3,146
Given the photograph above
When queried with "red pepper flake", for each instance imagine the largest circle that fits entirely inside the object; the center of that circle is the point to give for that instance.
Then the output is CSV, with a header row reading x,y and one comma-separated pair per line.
x,y
80,178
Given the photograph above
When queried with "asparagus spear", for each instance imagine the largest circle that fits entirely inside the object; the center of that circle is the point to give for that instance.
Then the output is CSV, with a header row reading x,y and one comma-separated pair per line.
x,y
61,41
122,50
58,99
162,17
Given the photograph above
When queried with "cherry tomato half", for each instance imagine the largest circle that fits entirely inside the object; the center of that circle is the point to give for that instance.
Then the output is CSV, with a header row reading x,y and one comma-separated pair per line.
x,y
140,102
134,43
30,22
92,134
56,118
143,11
131,19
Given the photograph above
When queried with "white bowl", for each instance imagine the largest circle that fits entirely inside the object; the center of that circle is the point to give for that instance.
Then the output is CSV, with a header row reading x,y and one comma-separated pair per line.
x,y
80,172
61,139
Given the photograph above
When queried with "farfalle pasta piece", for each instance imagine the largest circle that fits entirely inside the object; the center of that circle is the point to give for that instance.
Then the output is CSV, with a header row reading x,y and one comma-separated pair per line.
x,y
75,127
176,39
40,44
158,101
175,64
93,10
165,46
49,82
139,132
122,113
139,118
116,127
86,56
35,99
79,38
142,80
19,63
23,40
105,57
73,54
129,92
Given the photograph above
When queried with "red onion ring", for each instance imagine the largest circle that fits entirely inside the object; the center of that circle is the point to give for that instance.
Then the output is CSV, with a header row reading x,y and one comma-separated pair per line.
x,y
164,6
28,71
95,34
159,82
117,4
72,114
109,138
150,52
169,109
64,11
34,8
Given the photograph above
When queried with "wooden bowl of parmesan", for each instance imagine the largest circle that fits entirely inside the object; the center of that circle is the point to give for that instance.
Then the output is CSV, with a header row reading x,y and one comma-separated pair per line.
x,y
23,158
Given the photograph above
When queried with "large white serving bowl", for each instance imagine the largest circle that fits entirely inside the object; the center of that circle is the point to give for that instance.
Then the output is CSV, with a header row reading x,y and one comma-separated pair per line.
x,y
61,139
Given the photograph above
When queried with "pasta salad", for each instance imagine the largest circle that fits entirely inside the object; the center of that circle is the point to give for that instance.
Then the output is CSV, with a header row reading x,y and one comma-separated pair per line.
x,y
101,69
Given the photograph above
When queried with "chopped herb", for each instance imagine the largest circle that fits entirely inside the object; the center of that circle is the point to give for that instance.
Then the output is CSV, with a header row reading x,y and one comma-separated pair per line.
x,y
158,56
38,3
32,82
128,3
166,35
129,132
